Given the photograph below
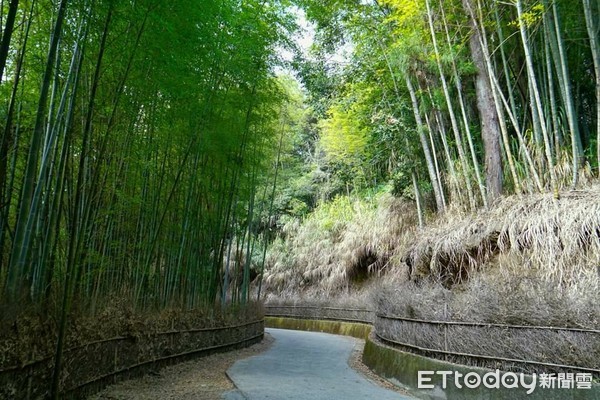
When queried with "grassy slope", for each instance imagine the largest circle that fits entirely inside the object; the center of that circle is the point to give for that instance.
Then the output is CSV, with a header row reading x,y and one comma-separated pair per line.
x,y
529,260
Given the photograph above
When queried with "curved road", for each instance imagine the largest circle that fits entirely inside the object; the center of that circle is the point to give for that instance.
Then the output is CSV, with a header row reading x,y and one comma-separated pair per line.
x,y
304,366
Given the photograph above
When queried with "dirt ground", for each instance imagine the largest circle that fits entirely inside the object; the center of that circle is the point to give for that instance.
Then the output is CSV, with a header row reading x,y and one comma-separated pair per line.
x,y
201,379
205,378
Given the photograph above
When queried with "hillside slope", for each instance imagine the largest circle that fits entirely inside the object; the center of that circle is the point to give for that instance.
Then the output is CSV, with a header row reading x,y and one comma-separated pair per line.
x,y
535,251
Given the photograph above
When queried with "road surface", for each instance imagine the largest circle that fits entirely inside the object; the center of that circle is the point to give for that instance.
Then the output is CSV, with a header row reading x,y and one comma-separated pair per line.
x,y
304,366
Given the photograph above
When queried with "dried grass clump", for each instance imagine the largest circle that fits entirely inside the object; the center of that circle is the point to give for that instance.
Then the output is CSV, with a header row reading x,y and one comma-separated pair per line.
x,y
559,238
361,299
492,297
528,261
339,246
32,335
355,307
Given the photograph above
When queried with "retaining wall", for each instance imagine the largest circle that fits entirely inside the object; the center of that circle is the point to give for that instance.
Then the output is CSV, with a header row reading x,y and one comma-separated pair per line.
x,y
353,329
402,367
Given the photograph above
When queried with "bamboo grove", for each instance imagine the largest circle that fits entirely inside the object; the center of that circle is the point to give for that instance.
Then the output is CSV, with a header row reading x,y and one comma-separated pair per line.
x,y
465,100
136,137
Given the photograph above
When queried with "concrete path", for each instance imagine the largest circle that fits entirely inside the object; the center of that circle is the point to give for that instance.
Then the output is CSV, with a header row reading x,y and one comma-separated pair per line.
x,y
304,366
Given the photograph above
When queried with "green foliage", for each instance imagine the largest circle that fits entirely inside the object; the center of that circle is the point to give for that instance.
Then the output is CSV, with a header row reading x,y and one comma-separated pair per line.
x,y
532,17
160,140
164,129
332,215
342,136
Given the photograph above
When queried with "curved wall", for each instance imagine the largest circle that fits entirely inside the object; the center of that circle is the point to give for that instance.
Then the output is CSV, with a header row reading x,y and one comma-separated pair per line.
x,y
401,367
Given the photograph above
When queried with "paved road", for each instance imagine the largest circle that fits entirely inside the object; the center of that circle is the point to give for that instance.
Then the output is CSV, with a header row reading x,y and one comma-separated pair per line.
x,y
304,366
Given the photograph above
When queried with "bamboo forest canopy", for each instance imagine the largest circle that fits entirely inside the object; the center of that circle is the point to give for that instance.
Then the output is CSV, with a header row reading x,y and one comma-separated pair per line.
x,y
150,151
135,136
458,100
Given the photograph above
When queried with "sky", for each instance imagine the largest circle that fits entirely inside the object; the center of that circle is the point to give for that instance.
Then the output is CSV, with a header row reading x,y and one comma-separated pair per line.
x,y
304,40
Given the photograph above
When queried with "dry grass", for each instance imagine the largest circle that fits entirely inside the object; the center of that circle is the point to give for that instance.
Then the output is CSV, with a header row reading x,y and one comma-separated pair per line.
x,y
33,335
558,238
528,260
500,299
362,299
331,253
557,241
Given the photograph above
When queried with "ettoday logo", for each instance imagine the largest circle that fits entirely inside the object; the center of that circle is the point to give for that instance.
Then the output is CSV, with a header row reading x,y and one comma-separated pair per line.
x,y
506,380
472,380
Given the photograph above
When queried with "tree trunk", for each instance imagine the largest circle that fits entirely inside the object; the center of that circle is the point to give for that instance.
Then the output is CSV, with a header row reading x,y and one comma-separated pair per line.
x,y
270,214
595,46
418,200
6,191
437,190
17,264
7,35
463,108
454,123
490,126
438,174
563,74
536,103
553,106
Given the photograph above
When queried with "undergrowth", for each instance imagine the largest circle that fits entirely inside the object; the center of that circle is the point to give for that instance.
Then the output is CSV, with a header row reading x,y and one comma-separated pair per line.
x,y
338,247
32,335
529,260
